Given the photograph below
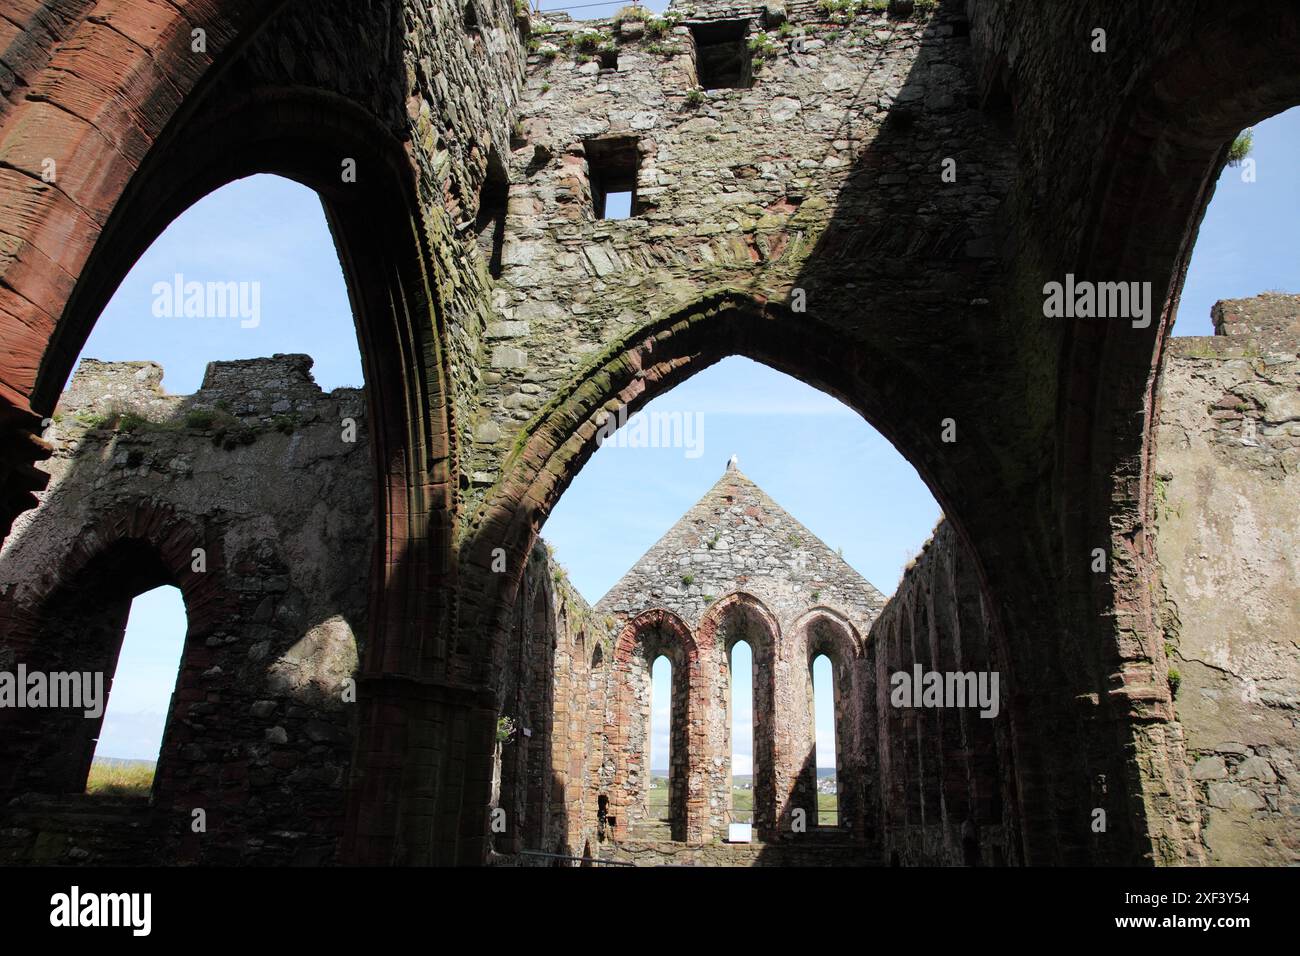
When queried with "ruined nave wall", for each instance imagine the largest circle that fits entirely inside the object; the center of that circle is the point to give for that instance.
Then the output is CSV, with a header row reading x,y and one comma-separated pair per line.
x,y
254,496
945,772
272,479
1226,481
1227,465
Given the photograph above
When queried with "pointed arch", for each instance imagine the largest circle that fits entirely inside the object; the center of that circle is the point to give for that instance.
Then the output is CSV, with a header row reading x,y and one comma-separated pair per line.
x,y
74,620
826,631
306,136
95,133
840,639
641,640
734,617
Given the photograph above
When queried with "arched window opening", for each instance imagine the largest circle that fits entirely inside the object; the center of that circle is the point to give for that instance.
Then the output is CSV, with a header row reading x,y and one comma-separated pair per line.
x,y
140,696
825,741
198,354
729,752
658,790
741,713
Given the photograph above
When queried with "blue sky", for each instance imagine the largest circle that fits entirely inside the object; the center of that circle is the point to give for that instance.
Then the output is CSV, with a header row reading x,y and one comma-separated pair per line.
x,y
1248,242
589,10
263,229
820,461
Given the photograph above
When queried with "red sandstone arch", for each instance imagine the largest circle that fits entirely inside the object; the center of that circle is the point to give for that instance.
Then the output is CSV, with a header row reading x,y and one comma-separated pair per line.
x,y
1154,177
720,608
848,640
686,798
649,362
108,78
764,648
661,618
304,135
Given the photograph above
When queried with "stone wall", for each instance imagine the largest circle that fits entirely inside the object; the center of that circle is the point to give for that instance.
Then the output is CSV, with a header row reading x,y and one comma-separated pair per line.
x,y
738,567
552,708
1227,451
734,188
923,302
810,853
255,497
946,773
273,480
1227,460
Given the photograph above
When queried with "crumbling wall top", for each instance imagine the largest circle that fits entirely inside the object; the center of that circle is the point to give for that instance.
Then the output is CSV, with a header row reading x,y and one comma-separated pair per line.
x,y
1271,316
256,388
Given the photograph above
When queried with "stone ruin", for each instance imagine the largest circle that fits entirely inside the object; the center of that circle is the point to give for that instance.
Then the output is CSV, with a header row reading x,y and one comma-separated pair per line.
x,y
269,478
869,197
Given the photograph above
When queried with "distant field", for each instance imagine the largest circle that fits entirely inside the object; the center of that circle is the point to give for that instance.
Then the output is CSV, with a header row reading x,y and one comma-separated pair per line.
x,y
120,778
742,804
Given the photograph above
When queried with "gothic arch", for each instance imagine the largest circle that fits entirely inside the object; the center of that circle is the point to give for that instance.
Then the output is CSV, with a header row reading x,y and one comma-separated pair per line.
x,y
823,630
641,640
646,363
1156,173
650,361
841,641
729,604
95,133
762,631
76,622
306,135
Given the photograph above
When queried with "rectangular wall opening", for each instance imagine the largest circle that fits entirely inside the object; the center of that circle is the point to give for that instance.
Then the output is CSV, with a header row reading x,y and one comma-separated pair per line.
x,y
490,223
612,164
722,56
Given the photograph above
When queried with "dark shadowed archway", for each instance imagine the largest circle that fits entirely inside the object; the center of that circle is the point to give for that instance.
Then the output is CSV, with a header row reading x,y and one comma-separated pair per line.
x,y
77,625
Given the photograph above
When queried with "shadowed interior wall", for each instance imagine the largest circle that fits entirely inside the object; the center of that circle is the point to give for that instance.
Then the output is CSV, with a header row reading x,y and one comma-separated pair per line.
x,y
1227,468
250,497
